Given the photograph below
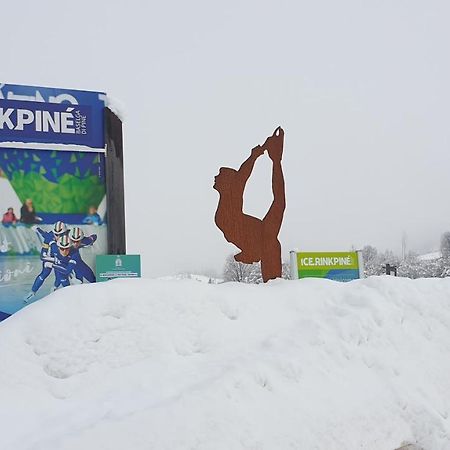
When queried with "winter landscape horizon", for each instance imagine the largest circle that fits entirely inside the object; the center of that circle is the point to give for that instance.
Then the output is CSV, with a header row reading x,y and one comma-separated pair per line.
x,y
361,92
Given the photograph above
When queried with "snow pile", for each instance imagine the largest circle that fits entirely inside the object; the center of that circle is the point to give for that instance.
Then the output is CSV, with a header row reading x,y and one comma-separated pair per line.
x,y
309,364
192,276
116,106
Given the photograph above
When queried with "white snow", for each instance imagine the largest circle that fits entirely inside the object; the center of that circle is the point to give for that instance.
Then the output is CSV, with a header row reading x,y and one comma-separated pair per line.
x,y
157,364
116,106
192,276
430,256
45,146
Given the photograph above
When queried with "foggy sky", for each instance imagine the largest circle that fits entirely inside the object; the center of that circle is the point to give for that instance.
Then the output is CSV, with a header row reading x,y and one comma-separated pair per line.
x,y
360,87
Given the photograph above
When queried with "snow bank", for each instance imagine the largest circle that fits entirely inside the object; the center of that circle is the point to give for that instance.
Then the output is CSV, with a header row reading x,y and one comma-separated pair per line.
x,y
308,364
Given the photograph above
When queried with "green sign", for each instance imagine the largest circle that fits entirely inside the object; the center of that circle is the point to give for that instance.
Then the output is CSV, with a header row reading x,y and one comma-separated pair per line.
x,y
108,267
340,266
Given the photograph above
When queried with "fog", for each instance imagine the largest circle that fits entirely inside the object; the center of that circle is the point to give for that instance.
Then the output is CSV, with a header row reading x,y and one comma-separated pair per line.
x,y
360,88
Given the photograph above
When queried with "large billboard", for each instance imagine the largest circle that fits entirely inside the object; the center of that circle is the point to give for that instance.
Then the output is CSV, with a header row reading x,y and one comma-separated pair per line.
x,y
338,266
52,191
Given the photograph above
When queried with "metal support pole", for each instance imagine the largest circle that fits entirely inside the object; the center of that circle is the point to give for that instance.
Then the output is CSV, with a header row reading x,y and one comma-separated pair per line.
x,y
115,195
293,265
360,263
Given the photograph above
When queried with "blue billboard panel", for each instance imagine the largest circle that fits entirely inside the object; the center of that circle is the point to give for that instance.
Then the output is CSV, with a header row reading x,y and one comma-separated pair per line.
x,y
30,114
46,123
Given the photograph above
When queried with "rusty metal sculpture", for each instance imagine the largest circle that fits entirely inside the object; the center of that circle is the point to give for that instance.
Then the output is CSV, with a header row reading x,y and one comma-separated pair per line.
x,y
257,239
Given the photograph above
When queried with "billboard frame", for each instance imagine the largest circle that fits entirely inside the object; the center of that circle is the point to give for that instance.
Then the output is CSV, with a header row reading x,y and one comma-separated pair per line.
x,y
115,190
26,104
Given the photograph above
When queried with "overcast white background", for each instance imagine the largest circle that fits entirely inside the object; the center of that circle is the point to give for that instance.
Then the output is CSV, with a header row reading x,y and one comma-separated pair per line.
x,y
360,87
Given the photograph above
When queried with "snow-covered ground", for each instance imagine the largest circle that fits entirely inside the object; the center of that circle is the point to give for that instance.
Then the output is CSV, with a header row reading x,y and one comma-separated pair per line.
x,y
430,256
192,276
159,364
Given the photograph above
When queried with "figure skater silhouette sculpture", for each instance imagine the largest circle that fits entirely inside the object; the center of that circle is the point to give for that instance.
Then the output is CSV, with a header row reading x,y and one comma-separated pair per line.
x,y
257,239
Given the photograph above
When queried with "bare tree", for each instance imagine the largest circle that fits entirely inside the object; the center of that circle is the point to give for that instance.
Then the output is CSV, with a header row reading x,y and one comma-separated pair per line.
x,y
372,263
445,250
286,271
445,245
248,273
240,272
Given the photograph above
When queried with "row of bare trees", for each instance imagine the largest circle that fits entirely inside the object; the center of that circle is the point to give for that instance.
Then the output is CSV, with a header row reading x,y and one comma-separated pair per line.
x,y
411,266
